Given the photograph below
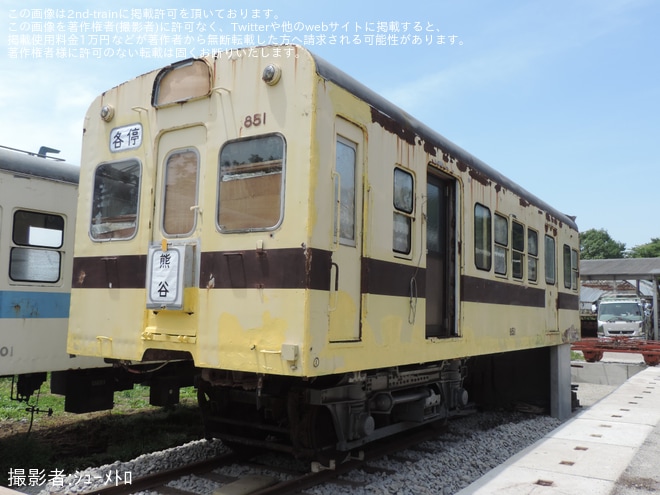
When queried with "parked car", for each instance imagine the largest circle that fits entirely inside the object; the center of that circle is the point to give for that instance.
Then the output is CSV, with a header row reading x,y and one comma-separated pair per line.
x,y
623,316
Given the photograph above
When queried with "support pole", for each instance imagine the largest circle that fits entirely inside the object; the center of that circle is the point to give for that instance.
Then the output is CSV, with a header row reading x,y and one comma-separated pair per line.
x,y
655,308
560,381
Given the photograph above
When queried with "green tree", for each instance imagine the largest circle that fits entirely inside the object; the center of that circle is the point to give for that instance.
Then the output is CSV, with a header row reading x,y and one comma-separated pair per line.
x,y
648,250
596,244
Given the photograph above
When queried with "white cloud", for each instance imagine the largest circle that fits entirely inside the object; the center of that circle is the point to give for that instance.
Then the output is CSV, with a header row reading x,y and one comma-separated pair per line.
x,y
515,44
44,107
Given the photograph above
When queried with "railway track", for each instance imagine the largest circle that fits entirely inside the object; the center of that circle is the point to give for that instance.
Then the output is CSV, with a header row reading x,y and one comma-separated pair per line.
x,y
276,479
158,481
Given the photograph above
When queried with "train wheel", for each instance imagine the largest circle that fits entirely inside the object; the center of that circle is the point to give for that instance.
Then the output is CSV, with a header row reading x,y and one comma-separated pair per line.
x,y
592,356
318,434
215,428
651,359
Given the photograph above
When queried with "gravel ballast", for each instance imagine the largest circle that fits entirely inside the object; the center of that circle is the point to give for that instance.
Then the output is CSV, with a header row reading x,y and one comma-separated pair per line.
x,y
469,448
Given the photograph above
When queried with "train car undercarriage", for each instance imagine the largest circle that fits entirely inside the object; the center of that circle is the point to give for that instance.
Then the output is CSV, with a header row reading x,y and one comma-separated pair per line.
x,y
328,417
320,417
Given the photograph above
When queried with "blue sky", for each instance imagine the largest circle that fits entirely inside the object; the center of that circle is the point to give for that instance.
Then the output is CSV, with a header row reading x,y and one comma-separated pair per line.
x,y
563,97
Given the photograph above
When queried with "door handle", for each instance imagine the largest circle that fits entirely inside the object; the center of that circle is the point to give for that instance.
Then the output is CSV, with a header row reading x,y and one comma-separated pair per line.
x,y
334,290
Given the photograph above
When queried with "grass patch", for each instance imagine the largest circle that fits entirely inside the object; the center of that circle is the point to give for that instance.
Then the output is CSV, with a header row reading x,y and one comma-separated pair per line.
x,y
70,442
125,401
15,411
577,356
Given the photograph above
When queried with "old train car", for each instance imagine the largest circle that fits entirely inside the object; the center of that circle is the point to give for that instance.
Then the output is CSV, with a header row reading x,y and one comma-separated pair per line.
x,y
336,270
38,198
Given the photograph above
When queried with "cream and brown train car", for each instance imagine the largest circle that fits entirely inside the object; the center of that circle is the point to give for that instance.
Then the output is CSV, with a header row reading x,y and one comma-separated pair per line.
x,y
335,270
38,201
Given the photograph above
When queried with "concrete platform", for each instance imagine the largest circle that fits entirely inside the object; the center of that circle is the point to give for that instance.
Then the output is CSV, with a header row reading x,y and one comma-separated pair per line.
x,y
610,448
613,369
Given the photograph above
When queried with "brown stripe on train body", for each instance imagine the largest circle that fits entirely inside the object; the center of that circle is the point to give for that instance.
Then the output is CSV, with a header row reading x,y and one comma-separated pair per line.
x,y
297,268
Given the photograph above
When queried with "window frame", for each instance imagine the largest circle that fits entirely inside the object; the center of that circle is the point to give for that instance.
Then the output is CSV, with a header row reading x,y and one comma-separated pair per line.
x,y
222,229
483,237
102,237
344,199
23,247
550,260
403,211
517,250
566,250
571,267
189,209
501,245
161,98
533,256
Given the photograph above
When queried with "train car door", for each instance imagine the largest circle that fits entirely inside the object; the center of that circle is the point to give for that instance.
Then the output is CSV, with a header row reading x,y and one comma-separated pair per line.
x,y
344,305
440,257
173,259
551,292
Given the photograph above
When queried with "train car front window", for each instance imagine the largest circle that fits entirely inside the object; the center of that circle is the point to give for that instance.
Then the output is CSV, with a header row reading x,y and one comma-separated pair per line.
x,y
115,200
251,184
37,236
181,170
185,80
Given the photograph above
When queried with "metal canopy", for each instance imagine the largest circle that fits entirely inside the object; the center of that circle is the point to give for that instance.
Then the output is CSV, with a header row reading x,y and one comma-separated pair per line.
x,y
626,269
620,269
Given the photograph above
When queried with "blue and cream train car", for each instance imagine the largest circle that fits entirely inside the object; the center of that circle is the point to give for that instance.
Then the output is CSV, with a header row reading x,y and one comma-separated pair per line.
x,y
38,197
336,270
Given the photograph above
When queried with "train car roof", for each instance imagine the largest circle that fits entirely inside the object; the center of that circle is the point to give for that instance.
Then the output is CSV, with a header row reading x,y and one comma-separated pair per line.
x,y
408,128
32,165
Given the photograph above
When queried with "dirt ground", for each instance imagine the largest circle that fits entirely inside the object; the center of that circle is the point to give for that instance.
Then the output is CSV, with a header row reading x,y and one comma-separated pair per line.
x,y
70,442
60,431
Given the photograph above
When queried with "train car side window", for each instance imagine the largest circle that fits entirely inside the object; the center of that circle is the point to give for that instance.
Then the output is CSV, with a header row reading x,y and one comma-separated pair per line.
x,y
482,237
517,249
115,200
570,267
251,184
501,244
346,154
403,208
550,256
567,266
37,236
575,269
533,252
181,171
